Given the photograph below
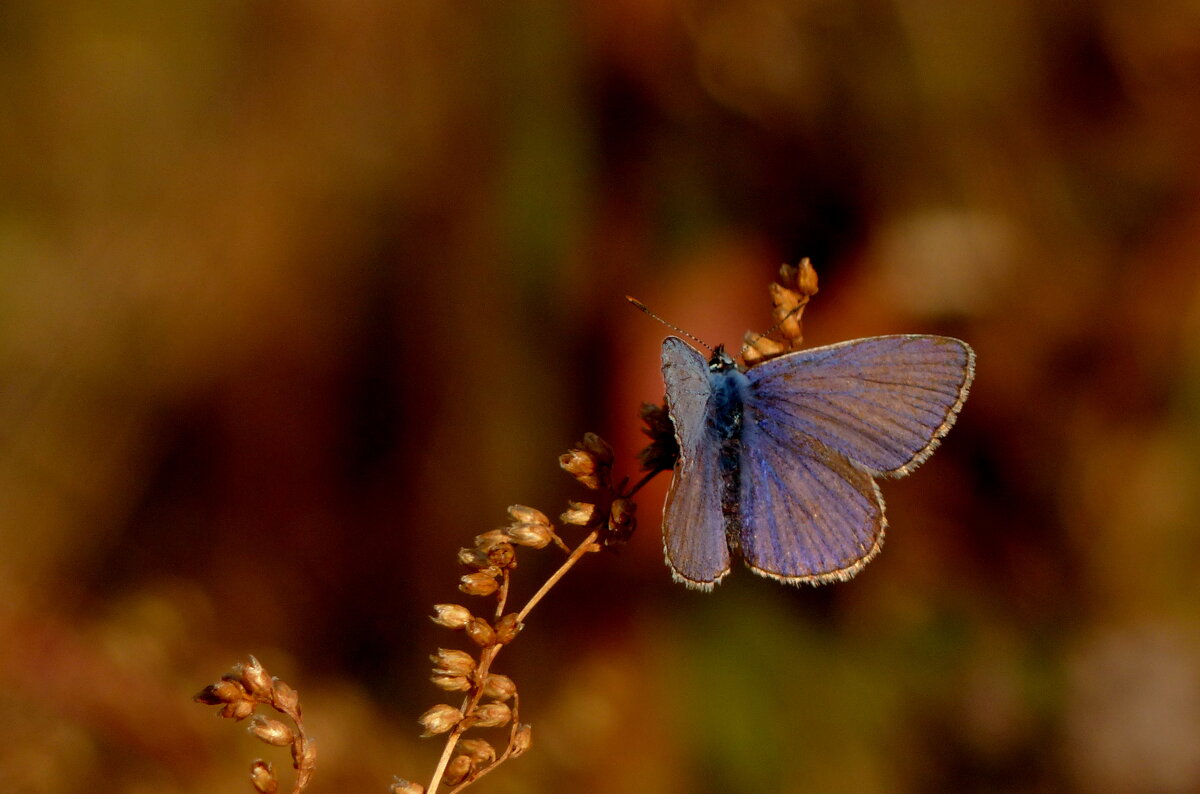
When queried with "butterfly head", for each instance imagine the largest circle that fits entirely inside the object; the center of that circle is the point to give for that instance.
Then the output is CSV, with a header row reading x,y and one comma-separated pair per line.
x,y
721,361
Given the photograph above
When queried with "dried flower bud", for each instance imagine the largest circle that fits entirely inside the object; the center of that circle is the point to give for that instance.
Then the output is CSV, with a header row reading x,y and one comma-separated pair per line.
x,y
760,347
451,683
491,715
402,786
581,465
503,555
271,731
578,513
238,711
451,662
485,541
457,770
472,558
224,691
283,697
478,584
527,515
439,719
481,632
535,536
507,628
253,677
622,521
452,616
482,754
500,687
262,777
806,278
522,739
598,447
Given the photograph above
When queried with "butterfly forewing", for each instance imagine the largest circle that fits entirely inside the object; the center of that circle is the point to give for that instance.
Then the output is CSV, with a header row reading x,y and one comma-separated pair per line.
x,y
883,402
693,524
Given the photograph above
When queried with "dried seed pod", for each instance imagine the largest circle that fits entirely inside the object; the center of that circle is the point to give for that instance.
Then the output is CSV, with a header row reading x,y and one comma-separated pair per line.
x,y
439,719
503,555
507,628
535,536
238,711
481,752
451,683
491,715
622,521
527,515
578,513
262,777
402,786
253,677
581,465
479,583
224,691
452,662
472,558
485,541
283,697
481,632
452,616
598,447
522,739
500,687
458,769
271,731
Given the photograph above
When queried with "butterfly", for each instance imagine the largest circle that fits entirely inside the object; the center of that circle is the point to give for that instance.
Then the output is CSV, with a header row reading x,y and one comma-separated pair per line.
x,y
777,463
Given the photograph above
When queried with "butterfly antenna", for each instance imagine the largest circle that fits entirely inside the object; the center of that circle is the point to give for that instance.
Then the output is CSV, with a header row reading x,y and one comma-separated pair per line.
x,y
639,305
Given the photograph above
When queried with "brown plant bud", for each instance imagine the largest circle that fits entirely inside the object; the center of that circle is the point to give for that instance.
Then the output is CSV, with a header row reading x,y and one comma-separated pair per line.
x,y
522,739
760,347
535,536
451,662
507,628
478,584
578,513
500,687
439,719
481,632
622,521
283,697
485,541
598,447
402,786
806,278
253,677
452,616
527,515
238,711
458,769
482,754
581,465
503,555
472,558
224,691
262,777
271,731
451,683
491,715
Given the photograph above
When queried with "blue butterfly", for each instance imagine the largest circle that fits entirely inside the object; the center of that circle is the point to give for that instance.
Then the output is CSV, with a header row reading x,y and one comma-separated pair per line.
x,y
778,463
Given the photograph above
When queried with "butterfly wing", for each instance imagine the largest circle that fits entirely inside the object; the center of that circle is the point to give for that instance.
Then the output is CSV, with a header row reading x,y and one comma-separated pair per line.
x,y
807,513
693,524
884,402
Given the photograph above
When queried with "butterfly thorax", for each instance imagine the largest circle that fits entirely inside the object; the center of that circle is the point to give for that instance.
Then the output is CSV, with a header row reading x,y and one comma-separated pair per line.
x,y
725,412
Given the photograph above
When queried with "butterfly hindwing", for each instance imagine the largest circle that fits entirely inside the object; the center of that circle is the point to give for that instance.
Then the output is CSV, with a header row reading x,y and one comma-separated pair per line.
x,y
884,402
807,513
693,525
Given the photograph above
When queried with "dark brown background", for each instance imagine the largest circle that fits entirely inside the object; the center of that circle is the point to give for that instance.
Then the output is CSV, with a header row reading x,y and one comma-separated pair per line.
x,y
297,297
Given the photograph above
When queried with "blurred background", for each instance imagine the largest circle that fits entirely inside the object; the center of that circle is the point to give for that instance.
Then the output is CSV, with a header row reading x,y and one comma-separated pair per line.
x,y
297,297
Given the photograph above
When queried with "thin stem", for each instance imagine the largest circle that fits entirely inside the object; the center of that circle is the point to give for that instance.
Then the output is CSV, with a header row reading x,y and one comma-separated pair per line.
x,y
649,476
583,548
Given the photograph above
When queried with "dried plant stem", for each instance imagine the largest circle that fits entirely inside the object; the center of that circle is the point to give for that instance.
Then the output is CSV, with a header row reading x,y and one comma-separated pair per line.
x,y
489,654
